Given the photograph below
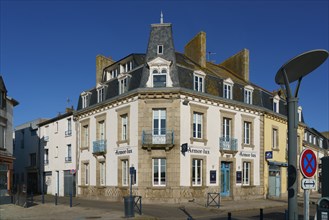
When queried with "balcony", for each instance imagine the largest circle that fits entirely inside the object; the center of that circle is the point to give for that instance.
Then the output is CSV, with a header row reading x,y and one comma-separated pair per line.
x,y
46,138
68,133
156,139
228,145
99,147
68,159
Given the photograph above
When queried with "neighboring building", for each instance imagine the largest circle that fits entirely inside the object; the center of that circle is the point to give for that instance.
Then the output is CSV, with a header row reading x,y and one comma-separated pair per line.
x,y
188,126
318,143
7,105
58,154
27,153
275,135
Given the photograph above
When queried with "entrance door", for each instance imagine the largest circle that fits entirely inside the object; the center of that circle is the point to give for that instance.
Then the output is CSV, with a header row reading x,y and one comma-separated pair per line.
x,y
225,179
274,181
69,183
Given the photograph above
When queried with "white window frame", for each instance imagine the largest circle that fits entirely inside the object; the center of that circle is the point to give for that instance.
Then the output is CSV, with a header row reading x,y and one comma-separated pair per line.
x,y
69,152
228,88
199,81
158,166
100,93
85,99
197,125
158,49
196,171
123,83
124,124
246,132
246,171
125,172
226,126
248,91
276,102
159,64
160,72
275,138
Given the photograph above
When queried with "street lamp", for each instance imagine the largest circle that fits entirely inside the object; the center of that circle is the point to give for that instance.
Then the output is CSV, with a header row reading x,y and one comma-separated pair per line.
x,y
295,69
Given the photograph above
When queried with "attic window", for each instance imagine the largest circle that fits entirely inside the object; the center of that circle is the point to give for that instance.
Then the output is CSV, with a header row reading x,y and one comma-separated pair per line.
x,y
199,81
228,89
276,101
100,93
160,49
123,83
159,78
248,90
85,96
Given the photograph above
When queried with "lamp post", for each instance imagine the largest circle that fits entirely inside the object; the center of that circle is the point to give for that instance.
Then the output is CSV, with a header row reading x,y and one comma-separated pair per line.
x,y
295,69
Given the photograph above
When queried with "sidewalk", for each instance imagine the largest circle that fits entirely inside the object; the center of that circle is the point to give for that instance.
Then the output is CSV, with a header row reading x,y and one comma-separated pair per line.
x,y
96,209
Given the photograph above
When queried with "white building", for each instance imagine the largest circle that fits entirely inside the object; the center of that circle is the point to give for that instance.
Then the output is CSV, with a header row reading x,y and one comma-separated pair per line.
x,y
58,154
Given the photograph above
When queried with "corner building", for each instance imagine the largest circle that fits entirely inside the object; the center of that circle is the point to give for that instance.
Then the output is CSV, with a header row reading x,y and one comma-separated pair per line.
x,y
188,126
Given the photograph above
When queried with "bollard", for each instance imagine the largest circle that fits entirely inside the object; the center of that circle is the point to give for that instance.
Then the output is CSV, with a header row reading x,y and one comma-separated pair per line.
x,y
261,214
55,198
229,216
43,198
71,200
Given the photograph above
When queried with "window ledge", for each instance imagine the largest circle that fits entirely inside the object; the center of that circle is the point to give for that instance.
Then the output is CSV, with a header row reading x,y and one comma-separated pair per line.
x,y
201,140
248,186
248,145
123,142
275,149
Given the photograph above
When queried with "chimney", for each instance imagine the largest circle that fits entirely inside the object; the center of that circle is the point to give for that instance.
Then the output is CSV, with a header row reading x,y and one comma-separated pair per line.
x,y
239,64
101,63
196,49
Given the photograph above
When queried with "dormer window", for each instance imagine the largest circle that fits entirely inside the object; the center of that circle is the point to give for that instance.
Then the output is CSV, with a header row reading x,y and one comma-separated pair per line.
x,y
248,90
276,101
100,93
160,49
114,73
159,73
198,78
128,66
85,99
123,83
228,89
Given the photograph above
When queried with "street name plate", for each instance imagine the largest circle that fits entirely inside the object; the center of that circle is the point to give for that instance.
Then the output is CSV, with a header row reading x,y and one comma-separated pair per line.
x,y
308,183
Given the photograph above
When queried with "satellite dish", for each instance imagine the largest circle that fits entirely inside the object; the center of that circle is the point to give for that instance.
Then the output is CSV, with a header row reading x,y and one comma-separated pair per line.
x,y
301,65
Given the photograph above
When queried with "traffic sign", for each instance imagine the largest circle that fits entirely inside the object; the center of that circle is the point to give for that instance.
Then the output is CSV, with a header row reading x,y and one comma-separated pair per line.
x,y
308,163
308,183
268,154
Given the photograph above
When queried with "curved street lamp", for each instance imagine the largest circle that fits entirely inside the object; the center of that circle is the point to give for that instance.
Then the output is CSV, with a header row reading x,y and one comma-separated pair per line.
x,y
295,69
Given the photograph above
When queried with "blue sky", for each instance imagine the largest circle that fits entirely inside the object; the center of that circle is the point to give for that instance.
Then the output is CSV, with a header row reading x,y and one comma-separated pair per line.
x,y
48,48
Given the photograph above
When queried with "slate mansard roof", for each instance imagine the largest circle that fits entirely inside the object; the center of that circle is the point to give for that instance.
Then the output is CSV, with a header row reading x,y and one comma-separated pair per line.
x,y
181,72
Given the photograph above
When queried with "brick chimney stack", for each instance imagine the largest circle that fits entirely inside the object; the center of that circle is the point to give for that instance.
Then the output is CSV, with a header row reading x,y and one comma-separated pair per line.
x,y
101,63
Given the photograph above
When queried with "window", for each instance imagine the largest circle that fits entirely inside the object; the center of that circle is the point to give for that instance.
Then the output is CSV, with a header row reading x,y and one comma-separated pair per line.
x,y
100,130
159,78
226,131
299,113
86,166
275,138
228,89
199,81
196,172
123,85
321,143
56,152
56,127
159,172
85,136
68,132
314,140
100,94
68,157
128,66
125,173
33,159
102,173
246,131
276,101
197,125
159,122
85,99
248,90
124,123
2,137
305,136
246,173
160,49
46,156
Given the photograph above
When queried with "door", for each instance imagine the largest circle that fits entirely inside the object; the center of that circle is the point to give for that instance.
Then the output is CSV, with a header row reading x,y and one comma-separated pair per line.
x,y
69,183
159,126
274,181
225,179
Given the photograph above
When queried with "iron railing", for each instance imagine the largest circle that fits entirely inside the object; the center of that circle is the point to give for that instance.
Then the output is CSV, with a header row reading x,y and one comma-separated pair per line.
x,y
68,133
68,159
158,136
228,143
99,147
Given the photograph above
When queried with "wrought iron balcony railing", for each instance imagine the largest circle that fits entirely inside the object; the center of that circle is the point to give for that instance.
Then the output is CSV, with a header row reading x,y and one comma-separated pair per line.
x,y
99,147
68,159
158,137
228,144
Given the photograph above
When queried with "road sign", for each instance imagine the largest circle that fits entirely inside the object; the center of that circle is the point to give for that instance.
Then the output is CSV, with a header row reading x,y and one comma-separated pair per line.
x,y
308,183
268,154
308,163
